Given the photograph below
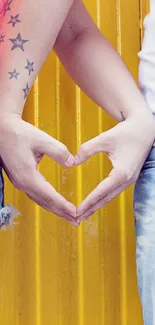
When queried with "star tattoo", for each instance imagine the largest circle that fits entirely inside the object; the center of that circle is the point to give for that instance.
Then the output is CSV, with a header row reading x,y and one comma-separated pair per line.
x,y
26,91
14,74
6,7
18,42
2,38
29,66
14,20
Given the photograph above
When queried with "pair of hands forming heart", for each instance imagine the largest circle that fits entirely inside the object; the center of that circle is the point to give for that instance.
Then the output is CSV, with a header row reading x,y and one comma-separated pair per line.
x,y
127,146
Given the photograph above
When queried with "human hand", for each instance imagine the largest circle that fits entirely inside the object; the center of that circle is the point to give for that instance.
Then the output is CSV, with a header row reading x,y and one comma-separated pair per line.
x,y
127,146
22,146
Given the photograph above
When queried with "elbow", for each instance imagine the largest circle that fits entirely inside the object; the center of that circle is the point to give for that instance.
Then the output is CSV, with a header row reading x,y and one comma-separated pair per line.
x,y
65,43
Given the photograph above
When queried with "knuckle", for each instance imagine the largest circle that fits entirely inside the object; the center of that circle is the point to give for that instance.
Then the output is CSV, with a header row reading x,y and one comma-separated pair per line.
x,y
125,176
108,199
134,179
91,211
129,177
102,138
23,181
83,150
63,151
101,195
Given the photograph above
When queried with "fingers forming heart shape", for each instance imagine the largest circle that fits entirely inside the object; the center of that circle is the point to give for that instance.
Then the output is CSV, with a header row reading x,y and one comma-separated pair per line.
x,y
108,188
127,148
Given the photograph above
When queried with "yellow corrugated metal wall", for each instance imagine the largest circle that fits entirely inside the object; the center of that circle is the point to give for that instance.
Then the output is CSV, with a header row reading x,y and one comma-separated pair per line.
x,y
51,273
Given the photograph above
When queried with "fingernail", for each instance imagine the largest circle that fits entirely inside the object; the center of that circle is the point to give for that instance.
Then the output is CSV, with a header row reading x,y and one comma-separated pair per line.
x,y
70,161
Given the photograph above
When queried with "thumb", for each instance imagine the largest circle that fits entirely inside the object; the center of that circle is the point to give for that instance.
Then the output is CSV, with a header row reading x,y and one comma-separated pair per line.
x,y
54,149
91,147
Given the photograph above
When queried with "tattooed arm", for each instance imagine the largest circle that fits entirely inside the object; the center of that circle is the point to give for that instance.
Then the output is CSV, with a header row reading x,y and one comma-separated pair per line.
x,y
27,33
99,71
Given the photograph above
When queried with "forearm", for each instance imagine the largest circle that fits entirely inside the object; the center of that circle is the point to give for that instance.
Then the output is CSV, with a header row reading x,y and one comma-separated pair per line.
x,y
100,72
25,42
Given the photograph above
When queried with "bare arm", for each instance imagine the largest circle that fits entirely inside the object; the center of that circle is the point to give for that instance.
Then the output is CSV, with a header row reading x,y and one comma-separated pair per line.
x,y
94,64
27,33
28,36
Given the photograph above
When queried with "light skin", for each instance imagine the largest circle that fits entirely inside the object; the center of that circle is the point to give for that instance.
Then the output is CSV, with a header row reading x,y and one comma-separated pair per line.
x,y
75,38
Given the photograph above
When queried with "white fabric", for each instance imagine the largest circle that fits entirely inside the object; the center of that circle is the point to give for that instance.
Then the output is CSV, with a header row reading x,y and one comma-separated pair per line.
x,y
147,58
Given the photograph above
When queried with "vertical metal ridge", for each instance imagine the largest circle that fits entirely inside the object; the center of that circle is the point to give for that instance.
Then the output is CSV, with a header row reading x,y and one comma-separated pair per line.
x,y
37,218
101,162
59,320
79,198
119,34
98,8
144,7
123,297
140,23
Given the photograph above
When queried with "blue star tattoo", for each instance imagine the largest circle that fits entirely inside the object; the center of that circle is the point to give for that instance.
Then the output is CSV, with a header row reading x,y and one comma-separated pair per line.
x,y
6,7
26,91
14,20
14,74
29,66
18,42
2,38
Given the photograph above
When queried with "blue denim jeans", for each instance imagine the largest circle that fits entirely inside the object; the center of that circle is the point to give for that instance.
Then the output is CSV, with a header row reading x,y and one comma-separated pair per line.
x,y
8,212
1,190
144,209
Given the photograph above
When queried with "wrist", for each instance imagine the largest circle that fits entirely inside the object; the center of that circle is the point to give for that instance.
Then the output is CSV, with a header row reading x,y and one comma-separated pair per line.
x,y
144,125
8,118
143,113
11,102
